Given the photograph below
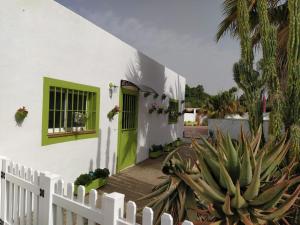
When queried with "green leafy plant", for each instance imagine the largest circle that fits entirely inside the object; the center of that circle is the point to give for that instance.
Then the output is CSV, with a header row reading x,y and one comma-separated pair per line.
x,y
228,183
101,173
111,85
156,148
20,115
113,112
83,179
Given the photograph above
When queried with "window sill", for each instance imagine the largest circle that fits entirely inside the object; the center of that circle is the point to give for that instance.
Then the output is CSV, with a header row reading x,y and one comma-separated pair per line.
x,y
74,133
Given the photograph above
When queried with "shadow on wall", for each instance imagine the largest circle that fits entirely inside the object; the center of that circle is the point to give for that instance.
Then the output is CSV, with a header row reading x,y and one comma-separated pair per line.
x,y
145,71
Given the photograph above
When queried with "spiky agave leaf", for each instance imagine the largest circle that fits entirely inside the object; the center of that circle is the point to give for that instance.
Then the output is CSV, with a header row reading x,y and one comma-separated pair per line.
x,y
252,201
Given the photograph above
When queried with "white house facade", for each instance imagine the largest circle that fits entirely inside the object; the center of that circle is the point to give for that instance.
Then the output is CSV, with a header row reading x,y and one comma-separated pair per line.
x,y
69,74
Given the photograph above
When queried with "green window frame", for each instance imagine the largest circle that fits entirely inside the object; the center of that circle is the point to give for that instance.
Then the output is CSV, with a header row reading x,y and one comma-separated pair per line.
x,y
70,111
173,111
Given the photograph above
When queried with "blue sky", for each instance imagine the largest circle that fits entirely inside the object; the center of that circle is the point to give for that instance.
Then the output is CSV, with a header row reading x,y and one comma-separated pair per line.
x,y
177,33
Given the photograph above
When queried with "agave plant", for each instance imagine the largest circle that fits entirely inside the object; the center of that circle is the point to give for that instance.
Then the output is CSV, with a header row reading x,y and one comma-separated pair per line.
x,y
237,183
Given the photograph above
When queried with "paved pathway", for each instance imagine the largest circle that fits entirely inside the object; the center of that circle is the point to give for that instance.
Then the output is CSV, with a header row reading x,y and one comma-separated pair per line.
x,y
195,131
138,181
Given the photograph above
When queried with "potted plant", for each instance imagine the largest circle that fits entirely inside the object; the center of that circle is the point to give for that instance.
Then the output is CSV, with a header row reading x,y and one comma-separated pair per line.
x,y
160,110
168,110
20,115
168,147
155,151
153,108
79,120
92,180
177,142
112,88
113,112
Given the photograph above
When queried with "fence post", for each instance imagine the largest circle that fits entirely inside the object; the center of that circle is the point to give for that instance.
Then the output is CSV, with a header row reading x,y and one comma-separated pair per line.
x,y
113,208
3,190
46,183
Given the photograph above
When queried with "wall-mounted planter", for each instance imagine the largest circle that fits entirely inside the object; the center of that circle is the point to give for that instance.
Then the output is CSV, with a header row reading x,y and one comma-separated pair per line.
x,y
155,96
153,108
160,110
168,148
113,112
112,88
95,184
146,94
20,115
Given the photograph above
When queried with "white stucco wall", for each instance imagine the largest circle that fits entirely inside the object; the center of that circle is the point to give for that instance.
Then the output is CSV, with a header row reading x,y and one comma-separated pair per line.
x,y
42,38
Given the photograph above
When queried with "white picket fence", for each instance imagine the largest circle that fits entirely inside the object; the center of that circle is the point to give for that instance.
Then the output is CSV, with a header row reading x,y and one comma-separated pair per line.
x,y
29,197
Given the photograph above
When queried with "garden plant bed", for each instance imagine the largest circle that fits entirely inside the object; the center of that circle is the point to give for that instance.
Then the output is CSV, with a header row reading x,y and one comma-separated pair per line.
x,y
95,184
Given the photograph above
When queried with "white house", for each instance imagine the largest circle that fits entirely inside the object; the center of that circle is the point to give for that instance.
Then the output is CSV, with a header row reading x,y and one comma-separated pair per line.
x,y
62,69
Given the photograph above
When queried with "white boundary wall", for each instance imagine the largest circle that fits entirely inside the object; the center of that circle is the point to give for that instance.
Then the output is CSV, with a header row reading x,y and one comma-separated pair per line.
x,y
29,197
233,127
42,38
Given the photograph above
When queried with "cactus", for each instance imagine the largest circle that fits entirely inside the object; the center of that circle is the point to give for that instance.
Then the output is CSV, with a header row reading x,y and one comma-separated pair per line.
x,y
268,62
292,106
245,76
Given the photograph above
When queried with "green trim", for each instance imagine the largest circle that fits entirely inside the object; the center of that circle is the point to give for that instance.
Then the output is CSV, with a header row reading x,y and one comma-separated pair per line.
x,y
49,82
120,139
170,119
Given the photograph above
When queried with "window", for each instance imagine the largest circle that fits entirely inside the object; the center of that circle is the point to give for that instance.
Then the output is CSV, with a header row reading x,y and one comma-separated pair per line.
x,y
173,111
129,112
70,111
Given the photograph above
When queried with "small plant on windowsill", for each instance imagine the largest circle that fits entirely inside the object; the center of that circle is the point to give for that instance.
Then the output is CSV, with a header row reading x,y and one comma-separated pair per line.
x,y
163,96
153,108
20,115
113,112
146,94
160,110
155,96
79,121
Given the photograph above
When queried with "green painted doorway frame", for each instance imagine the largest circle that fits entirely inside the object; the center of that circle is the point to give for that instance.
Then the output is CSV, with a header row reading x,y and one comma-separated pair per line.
x,y
127,133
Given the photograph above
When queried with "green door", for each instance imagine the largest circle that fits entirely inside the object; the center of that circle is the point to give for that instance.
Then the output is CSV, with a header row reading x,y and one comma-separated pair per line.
x,y
127,143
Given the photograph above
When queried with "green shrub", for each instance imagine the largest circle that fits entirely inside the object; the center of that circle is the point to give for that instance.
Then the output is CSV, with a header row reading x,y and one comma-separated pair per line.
x,y
101,173
156,148
83,179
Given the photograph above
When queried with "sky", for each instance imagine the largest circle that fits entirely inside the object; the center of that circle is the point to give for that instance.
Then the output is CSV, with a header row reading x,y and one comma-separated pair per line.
x,y
177,33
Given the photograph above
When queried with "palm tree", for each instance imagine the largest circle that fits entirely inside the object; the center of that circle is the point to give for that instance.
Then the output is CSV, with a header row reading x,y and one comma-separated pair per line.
x,y
278,15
